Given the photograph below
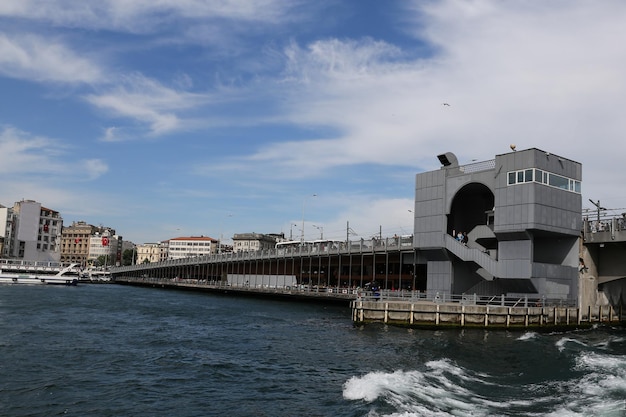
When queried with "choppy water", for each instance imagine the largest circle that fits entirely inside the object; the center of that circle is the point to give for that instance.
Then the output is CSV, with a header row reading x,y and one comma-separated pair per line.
x,y
107,350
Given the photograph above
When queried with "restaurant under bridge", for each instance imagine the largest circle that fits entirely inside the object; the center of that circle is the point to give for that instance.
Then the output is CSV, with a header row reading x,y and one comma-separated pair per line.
x,y
390,262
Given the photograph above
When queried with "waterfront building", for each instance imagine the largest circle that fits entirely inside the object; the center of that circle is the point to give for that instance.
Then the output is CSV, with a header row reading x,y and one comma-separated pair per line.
x,y
75,242
152,252
191,246
250,242
519,219
30,231
6,230
108,245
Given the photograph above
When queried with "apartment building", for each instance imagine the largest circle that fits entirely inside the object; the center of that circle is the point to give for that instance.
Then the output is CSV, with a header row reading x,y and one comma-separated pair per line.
x,y
152,252
252,242
31,232
191,246
106,245
75,242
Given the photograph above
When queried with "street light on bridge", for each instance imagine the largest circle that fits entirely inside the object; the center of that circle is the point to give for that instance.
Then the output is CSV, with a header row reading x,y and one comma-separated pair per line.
x,y
303,205
321,229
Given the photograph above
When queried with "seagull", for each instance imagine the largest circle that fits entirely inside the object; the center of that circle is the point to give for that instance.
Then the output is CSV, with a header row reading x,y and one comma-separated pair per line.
x,y
446,104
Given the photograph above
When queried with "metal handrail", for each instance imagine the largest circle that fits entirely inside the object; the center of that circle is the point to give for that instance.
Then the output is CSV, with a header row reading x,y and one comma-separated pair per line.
x,y
362,294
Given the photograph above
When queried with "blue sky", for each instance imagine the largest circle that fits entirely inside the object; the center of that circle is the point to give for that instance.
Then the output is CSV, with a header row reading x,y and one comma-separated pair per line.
x,y
164,118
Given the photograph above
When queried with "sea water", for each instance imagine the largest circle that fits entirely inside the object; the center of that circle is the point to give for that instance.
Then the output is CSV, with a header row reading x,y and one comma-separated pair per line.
x,y
110,350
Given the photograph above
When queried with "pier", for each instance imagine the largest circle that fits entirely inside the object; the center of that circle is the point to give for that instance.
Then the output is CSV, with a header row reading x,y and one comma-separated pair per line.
x,y
505,315
340,273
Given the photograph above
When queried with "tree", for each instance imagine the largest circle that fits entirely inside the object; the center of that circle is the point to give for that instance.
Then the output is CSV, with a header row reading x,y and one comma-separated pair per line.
x,y
101,260
129,257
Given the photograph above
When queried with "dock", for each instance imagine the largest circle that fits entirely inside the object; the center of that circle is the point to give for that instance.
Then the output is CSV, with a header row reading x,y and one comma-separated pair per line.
x,y
433,314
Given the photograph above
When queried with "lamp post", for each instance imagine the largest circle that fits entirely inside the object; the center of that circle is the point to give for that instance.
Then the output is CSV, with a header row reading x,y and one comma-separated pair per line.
x,y
291,230
219,244
303,205
321,229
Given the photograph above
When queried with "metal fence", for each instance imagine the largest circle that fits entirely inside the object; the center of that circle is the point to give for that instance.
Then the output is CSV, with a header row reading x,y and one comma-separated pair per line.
x,y
358,293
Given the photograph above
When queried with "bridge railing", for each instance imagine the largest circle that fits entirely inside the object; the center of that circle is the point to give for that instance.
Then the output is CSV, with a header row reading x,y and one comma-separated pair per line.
x,y
316,248
363,294
466,299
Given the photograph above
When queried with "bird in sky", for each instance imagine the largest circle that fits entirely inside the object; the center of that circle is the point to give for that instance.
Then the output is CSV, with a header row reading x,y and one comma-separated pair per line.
x,y
446,104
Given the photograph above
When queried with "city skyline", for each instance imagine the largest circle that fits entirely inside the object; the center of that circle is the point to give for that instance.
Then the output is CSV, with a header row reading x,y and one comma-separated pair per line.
x,y
193,118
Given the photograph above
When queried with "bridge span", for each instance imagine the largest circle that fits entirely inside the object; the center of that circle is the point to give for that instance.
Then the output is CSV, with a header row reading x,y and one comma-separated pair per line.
x,y
391,262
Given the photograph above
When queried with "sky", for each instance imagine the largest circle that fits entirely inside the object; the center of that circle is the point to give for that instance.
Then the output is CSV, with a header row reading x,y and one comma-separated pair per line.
x,y
167,118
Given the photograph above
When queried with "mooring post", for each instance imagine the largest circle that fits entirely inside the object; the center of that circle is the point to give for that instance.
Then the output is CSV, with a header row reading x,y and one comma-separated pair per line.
x,y
487,316
462,315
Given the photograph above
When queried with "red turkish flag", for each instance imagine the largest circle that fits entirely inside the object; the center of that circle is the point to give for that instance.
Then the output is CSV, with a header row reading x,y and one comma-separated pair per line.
x,y
105,241
76,240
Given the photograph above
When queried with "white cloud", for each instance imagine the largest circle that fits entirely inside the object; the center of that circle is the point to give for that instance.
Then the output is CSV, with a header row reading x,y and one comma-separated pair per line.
x,y
46,170
146,101
546,75
94,168
33,157
36,58
368,216
23,154
142,15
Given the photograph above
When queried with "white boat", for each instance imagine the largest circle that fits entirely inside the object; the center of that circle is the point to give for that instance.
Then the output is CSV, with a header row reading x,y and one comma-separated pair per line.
x,y
66,276
97,275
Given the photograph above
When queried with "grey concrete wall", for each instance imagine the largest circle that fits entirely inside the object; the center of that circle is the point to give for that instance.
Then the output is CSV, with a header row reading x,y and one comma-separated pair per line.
x,y
430,220
439,276
533,205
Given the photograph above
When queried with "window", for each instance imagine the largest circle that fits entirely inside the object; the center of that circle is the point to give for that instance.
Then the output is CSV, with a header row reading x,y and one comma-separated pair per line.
x,y
543,177
511,178
558,181
528,175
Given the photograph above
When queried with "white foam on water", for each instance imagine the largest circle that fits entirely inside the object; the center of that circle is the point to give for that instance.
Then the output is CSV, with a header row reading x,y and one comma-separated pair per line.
x,y
440,390
600,391
528,336
444,389
562,342
370,386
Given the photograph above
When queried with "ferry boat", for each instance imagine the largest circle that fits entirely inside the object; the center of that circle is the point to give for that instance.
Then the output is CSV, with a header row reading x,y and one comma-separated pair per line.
x,y
66,276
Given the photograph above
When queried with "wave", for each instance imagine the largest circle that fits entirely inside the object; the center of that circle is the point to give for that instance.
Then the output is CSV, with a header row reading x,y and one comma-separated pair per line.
x,y
596,385
561,343
528,336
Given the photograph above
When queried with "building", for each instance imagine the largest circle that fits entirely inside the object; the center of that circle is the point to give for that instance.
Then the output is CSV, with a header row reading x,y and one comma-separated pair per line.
x,y
249,242
6,230
106,245
30,232
152,252
521,213
192,246
75,242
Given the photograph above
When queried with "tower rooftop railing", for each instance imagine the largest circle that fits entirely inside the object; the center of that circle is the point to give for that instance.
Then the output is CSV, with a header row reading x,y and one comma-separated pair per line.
x,y
478,166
